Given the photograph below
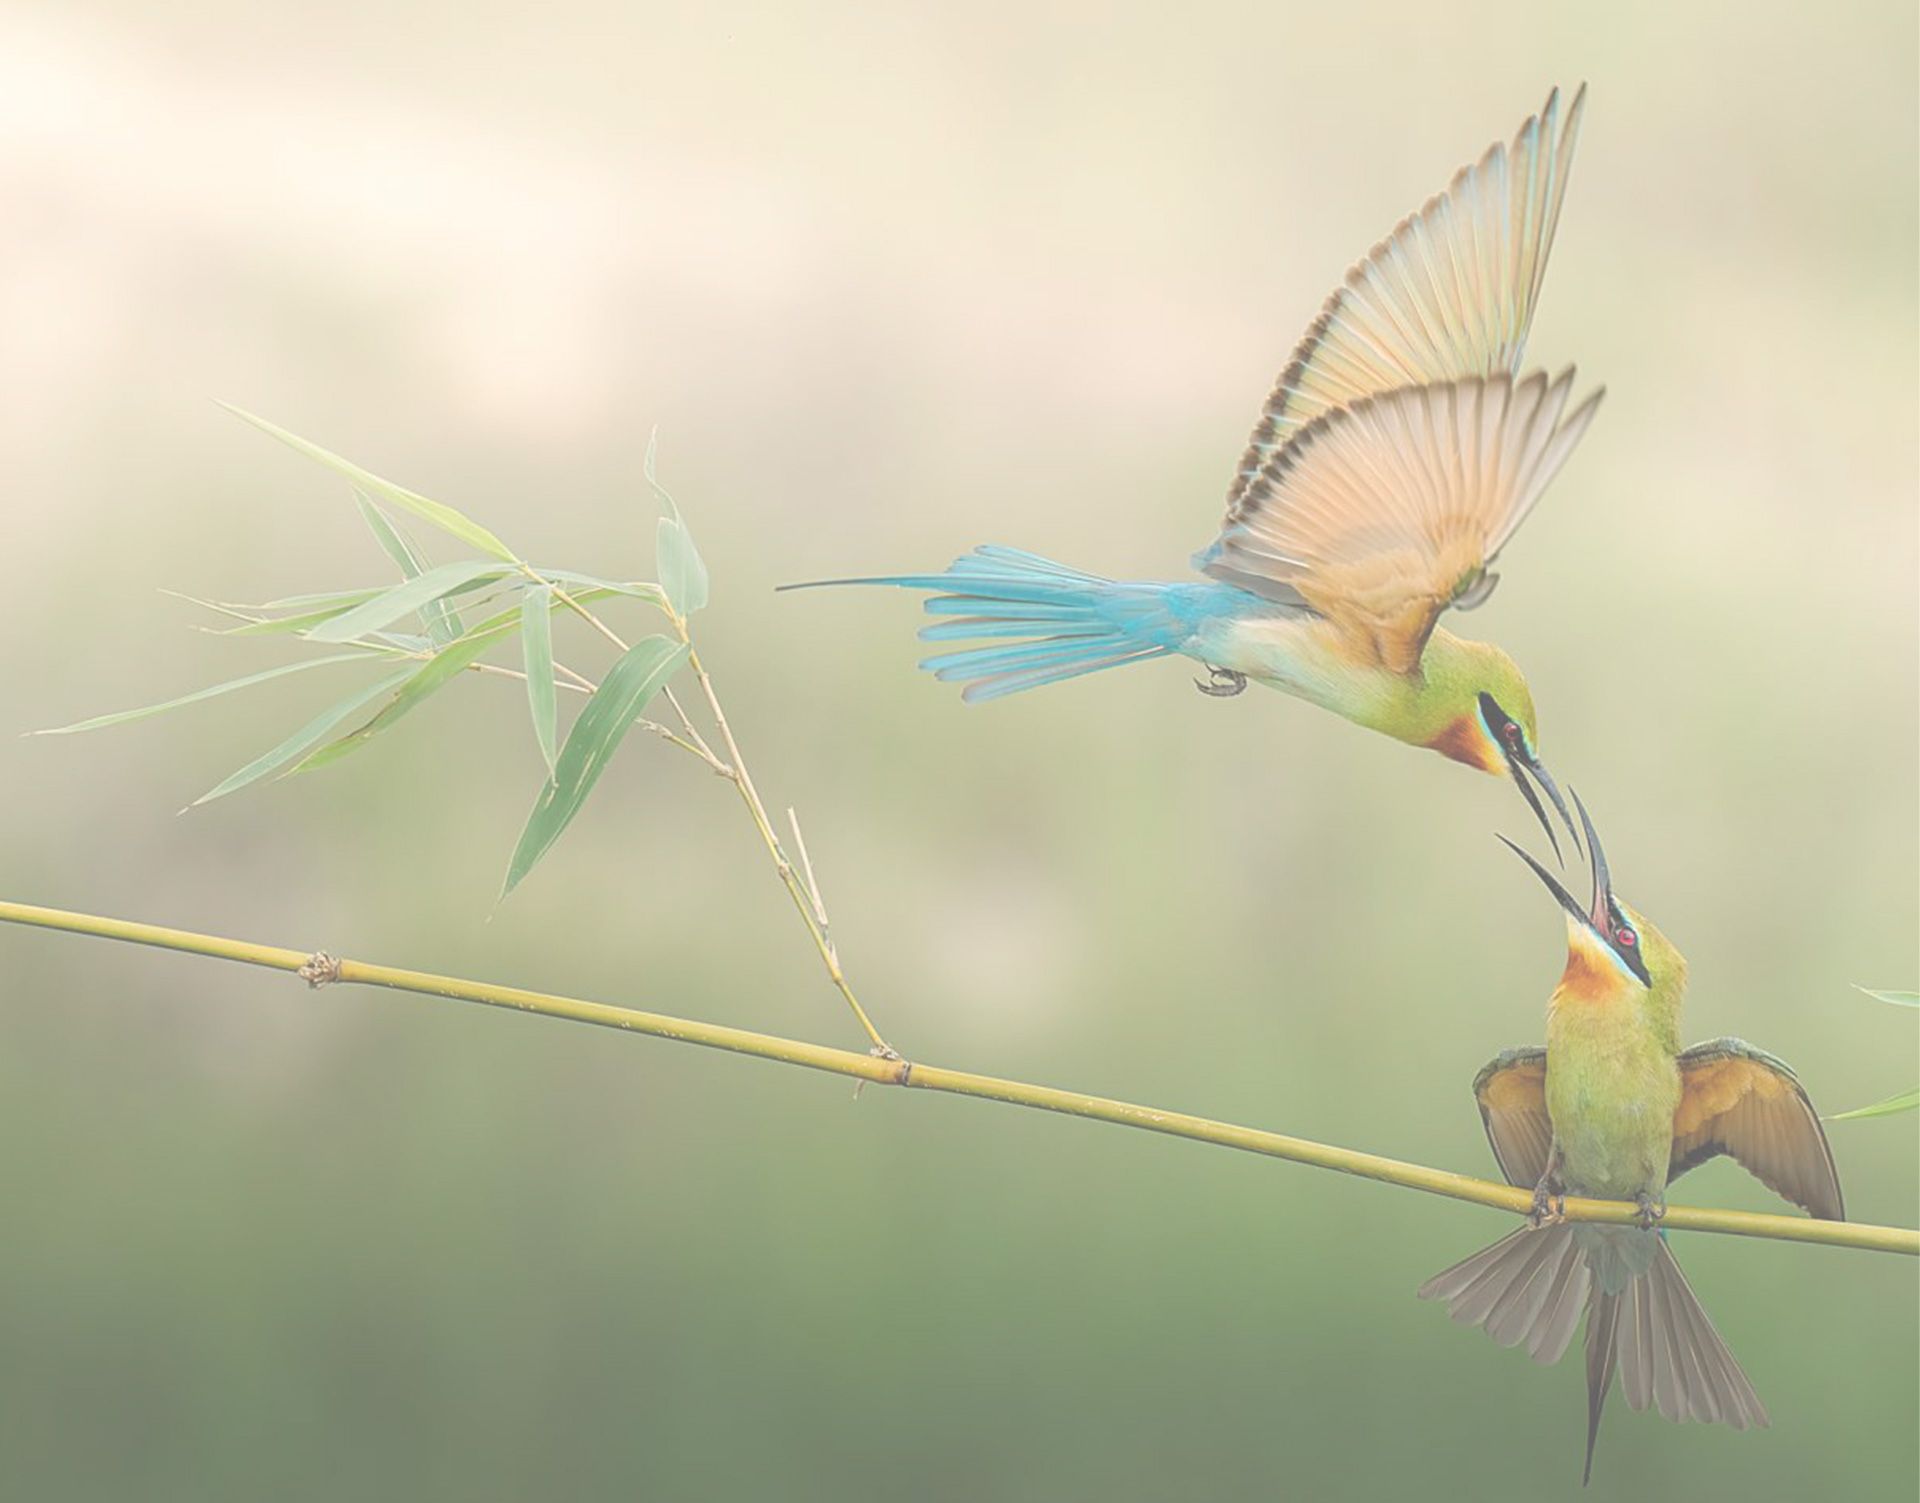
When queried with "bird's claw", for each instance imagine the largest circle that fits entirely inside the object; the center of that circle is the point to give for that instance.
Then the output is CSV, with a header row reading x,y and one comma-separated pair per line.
x,y
1650,1210
1221,683
1548,1209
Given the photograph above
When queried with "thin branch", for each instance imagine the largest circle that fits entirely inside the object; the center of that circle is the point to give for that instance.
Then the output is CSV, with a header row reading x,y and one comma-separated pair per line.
x,y
321,970
803,899
501,672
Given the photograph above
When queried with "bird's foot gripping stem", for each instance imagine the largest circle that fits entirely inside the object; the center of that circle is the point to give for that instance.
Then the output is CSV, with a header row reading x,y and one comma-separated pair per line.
x,y
1651,1210
1548,1209
1221,683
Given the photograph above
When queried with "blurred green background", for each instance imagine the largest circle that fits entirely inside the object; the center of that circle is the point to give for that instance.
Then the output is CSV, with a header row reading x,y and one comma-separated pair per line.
x,y
894,281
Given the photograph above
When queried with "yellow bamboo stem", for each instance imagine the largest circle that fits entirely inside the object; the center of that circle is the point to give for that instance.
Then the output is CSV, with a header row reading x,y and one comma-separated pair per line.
x,y
320,969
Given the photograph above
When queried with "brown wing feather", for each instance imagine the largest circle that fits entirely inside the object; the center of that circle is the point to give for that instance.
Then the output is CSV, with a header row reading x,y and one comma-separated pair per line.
x,y
1512,1092
1740,1101
1382,514
1449,293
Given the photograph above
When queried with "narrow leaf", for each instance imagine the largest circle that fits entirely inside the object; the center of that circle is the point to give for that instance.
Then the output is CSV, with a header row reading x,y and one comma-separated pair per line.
x,y
442,621
651,593
273,626
340,598
590,745
427,679
404,599
683,573
536,636
581,597
186,699
442,516
308,734
1906,1101
1898,999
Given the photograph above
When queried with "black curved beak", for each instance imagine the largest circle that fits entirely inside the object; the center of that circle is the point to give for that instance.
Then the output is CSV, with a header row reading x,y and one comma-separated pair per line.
x,y
1594,916
1564,898
1524,766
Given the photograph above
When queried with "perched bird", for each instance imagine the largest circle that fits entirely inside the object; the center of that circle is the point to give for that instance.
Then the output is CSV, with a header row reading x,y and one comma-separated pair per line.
x,y
1396,455
1613,1107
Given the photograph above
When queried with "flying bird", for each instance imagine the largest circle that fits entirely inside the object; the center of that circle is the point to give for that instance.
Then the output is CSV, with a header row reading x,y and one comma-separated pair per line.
x,y
1613,1107
1395,457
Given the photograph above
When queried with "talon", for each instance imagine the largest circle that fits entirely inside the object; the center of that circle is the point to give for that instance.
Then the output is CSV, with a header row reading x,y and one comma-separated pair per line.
x,y
1542,1211
1222,683
1651,1210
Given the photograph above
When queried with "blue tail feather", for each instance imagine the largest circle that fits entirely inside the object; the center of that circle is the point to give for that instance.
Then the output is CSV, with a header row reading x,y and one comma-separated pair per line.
x,y
1047,622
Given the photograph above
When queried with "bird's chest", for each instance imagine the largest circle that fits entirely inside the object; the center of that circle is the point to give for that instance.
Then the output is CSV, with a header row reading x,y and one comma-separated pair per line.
x,y
1302,654
1611,1092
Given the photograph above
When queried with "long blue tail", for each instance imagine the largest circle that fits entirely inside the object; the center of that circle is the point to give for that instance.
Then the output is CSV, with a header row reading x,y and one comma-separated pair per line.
x,y
1065,623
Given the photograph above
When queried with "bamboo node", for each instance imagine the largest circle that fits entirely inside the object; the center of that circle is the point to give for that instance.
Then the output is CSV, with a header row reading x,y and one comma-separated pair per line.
x,y
320,970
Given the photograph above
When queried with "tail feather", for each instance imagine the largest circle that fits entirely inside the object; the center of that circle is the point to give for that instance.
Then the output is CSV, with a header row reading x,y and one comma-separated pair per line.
x,y
1704,1379
1603,1332
1045,621
1553,1332
1643,1320
1537,1273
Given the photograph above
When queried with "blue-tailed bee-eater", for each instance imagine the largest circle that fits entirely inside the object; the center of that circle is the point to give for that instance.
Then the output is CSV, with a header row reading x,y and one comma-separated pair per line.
x,y
1613,1107
1397,454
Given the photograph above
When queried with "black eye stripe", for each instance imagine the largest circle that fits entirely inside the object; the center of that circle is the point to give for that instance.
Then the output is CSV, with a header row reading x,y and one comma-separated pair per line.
x,y
1500,725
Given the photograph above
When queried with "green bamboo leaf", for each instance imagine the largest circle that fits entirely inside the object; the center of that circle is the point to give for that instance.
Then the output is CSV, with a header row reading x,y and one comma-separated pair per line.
x,y
1898,999
339,598
536,636
442,621
590,745
581,597
313,731
427,679
638,590
1906,1101
228,687
683,573
442,516
405,598
274,626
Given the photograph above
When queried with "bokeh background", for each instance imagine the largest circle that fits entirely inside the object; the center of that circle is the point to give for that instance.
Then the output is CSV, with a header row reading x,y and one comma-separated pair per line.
x,y
893,281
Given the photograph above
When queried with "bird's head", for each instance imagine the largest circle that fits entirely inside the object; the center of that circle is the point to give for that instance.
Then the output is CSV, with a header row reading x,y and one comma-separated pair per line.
x,y
1609,945
1494,727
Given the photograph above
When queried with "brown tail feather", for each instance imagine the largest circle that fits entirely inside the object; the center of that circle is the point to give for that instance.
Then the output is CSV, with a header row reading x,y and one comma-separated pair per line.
x,y
1603,1332
1701,1380
1529,1287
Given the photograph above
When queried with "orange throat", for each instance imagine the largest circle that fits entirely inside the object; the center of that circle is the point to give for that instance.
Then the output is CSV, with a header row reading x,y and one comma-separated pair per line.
x,y
1592,976
1464,740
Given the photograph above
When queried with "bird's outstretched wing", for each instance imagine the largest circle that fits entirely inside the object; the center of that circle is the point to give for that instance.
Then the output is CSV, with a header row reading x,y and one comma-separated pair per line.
x,y
1512,1092
1450,293
1382,514
1737,1100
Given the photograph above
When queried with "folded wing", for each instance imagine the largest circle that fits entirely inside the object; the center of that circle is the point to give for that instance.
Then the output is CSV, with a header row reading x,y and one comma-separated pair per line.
x,y
1512,1092
1450,293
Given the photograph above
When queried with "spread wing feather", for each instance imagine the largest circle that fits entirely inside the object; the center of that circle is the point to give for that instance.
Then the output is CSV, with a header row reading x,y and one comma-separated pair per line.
x,y
1449,293
1740,1101
1381,514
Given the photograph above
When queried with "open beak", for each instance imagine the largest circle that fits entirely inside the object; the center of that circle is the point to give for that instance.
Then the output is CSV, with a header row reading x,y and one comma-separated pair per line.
x,y
1565,899
1527,769
1596,916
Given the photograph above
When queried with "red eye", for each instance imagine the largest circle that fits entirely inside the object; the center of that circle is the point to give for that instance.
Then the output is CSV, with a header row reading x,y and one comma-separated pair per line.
x,y
1627,938
1513,734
